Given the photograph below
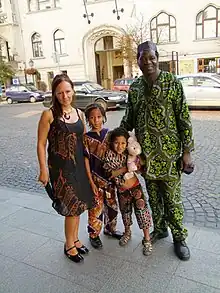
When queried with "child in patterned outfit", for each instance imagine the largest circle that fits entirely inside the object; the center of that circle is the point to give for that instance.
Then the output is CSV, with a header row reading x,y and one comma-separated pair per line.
x,y
96,146
130,193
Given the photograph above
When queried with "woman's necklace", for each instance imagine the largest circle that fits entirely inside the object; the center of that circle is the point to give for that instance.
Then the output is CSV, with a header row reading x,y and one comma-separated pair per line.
x,y
66,115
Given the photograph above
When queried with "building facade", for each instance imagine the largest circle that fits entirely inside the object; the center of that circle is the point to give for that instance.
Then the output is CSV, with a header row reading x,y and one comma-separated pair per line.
x,y
81,37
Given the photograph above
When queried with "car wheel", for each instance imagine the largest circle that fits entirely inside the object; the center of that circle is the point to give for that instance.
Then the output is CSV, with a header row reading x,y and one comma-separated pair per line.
x,y
102,103
9,101
32,99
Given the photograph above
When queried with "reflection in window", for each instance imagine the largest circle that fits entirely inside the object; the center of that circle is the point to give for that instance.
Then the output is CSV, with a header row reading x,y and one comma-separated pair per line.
x,y
36,45
205,81
208,23
163,28
80,89
59,42
187,81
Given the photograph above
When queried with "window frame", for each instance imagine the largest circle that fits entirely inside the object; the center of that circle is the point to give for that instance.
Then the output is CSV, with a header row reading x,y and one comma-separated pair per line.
x,y
59,40
38,44
204,20
170,17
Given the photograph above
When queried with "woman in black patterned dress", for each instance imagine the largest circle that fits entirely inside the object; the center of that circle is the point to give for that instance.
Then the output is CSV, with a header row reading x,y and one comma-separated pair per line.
x,y
63,126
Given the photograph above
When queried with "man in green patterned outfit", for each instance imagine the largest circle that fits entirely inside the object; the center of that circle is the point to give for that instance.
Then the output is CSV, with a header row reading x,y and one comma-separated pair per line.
x,y
158,112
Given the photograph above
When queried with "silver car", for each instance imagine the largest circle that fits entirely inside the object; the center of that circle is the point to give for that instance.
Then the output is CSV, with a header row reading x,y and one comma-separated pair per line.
x,y
202,90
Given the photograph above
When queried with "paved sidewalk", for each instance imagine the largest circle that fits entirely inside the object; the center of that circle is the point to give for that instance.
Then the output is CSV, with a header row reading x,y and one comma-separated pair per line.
x,y
32,260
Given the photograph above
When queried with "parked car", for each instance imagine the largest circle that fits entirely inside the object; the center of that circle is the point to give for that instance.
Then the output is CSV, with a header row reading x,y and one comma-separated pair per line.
x,y
88,92
202,90
122,84
23,93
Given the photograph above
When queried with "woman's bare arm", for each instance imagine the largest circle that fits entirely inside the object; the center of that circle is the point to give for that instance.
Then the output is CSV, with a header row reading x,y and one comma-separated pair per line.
x,y
43,130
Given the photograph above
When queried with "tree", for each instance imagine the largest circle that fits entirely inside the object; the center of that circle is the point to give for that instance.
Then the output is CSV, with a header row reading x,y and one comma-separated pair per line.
x,y
6,72
135,34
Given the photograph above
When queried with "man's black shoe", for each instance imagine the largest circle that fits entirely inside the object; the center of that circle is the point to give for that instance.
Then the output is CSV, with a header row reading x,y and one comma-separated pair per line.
x,y
96,242
181,250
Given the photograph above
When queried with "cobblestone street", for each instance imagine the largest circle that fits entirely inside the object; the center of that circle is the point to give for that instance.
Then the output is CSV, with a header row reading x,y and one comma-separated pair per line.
x,y
201,190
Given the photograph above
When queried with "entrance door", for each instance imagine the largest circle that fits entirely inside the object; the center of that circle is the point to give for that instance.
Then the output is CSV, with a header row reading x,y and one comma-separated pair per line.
x,y
118,72
98,71
109,63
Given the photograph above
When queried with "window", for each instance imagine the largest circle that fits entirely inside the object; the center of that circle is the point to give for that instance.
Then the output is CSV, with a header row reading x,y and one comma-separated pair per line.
x,y
38,5
56,3
80,89
207,65
208,23
187,81
22,89
59,42
207,82
36,45
44,4
13,88
130,81
163,28
120,82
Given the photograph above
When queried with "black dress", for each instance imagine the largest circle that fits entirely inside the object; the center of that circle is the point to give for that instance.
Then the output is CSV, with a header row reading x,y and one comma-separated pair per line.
x,y
67,167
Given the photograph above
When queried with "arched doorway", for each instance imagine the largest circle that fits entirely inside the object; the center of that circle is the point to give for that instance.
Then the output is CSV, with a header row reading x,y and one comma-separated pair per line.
x,y
109,63
102,58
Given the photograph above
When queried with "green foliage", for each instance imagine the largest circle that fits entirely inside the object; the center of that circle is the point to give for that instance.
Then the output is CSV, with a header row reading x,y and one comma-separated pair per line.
x,y
6,72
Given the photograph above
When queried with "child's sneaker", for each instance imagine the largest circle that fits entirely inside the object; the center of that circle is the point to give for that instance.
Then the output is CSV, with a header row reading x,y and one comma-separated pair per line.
x,y
125,238
147,249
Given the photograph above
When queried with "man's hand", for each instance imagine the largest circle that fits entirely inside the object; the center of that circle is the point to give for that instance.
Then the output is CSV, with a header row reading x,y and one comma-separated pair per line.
x,y
187,163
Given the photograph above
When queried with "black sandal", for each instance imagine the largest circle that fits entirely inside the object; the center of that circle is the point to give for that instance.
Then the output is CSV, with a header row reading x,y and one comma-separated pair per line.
x,y
75,258
83,249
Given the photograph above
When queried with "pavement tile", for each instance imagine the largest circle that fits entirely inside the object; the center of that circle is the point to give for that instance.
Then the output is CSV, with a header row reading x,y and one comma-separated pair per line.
x,y
6,264
7,193
161,260
38,222
6,210
94,273
206,240
180,285
6,231
26,279
91,274
20,243
135,279
203,267
32,202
